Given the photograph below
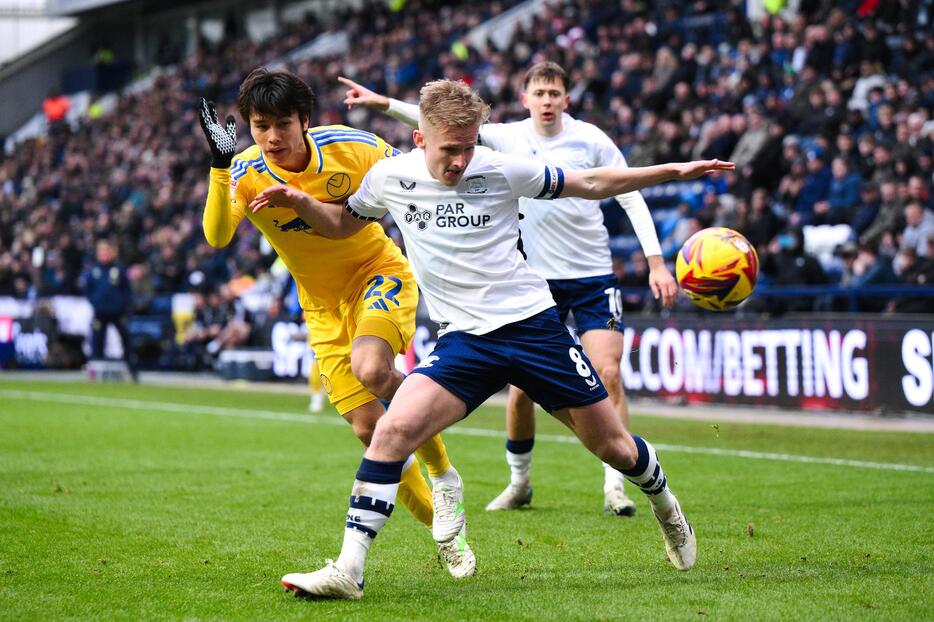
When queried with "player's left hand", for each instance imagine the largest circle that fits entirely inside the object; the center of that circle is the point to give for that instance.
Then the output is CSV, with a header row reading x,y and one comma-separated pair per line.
x,y
699,168
278,196
663,284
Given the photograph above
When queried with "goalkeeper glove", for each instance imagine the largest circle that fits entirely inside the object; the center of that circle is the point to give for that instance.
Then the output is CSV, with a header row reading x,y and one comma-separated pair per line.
x,y
221,139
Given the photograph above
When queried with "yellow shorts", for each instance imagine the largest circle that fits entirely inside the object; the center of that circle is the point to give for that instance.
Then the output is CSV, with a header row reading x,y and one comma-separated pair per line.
x,y
384,306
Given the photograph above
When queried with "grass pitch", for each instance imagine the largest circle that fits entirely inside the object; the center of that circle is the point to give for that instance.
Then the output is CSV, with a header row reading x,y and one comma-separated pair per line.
x,y
137,502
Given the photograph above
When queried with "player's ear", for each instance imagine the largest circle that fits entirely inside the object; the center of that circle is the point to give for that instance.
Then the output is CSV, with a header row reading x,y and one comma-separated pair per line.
x,y
304,124
524,100
567,102
418,138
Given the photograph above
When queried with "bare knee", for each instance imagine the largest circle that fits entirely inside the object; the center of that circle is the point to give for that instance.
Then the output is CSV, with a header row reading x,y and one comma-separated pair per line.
x,y
373,373
518,401
363,428
395,435
609,374
619,451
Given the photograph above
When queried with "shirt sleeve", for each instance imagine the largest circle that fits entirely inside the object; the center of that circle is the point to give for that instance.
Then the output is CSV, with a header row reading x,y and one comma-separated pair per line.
x,y
528,178
495,136
366,203
402,111
633,203
225,207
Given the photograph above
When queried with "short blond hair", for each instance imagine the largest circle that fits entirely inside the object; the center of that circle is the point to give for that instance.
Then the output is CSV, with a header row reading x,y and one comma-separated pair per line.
x,y
451,103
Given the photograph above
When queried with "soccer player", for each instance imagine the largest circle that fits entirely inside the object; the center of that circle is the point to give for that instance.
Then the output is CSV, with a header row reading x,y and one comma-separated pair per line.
x,y
457,207
358,293
567,244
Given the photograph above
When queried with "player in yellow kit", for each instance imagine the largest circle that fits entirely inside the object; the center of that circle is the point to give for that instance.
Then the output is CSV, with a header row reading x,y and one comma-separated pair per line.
x,y
358,293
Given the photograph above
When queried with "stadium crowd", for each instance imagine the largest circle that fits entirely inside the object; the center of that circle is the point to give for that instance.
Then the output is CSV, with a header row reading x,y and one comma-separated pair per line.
x,y
828,115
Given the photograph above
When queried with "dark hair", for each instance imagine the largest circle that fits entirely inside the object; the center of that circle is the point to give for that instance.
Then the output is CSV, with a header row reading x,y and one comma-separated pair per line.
x,y
274,94
547,71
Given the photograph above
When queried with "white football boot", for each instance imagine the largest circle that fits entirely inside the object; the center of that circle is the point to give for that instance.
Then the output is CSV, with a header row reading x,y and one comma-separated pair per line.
x,y
680,542
329,582
458,556
514,497
616,502
448,502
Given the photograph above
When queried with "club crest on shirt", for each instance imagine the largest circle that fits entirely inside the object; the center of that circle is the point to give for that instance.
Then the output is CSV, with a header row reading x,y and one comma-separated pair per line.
x,y
476,184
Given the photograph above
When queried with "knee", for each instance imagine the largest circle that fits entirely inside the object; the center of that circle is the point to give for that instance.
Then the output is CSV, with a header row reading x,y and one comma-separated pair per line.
x,y
363,428
517,400
610,375
371,371
394,433
619,452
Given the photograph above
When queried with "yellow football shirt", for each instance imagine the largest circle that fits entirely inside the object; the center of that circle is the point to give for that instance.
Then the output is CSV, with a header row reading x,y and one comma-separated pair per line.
x,y
327,271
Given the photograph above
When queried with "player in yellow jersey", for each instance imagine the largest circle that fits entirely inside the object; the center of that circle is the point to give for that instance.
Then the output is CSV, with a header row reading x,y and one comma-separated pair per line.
x,y
358,293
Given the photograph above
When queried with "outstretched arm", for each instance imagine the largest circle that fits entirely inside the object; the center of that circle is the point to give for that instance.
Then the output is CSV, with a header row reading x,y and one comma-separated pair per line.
x,y
359,95
329,219
221,214
604,182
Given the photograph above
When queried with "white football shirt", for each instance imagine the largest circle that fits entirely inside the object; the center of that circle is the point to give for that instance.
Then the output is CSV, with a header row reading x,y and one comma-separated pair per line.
x,y
566,239
462,242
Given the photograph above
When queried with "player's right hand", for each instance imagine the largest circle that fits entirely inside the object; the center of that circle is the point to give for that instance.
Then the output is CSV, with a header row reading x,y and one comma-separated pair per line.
x,y
358,95
699,168
222,139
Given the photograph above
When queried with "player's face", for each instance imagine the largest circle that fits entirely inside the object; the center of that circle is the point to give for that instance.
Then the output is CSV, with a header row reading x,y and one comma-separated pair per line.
x,y
545,101
281,139
448,150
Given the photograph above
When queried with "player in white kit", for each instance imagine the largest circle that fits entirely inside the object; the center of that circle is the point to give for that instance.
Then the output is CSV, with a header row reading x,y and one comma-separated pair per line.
x,y
568,245
457,207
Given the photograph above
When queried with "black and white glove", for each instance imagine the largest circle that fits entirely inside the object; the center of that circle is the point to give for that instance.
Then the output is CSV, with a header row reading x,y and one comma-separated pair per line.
x,y
221,139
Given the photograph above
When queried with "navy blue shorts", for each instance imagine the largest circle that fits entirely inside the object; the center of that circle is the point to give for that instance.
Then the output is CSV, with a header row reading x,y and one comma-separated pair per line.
x,y
595,301
535,354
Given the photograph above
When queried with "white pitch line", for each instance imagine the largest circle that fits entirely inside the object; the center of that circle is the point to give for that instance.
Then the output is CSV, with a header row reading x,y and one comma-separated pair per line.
x,y
272,415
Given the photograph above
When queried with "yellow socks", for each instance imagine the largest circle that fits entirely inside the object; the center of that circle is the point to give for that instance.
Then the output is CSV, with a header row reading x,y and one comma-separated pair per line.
x,y
435,456
415,494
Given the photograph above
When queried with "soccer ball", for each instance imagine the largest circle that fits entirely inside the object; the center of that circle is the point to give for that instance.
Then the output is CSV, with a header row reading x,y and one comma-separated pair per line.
x,y
717,268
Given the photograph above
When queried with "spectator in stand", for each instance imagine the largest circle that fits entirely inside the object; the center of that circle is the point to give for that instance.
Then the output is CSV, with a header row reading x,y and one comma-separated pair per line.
x,y
889,212
843,196
915,270
753,139
863,267
633,274
235,323
785,263
761,224
814,189
867,209
55,107
107,288
919,226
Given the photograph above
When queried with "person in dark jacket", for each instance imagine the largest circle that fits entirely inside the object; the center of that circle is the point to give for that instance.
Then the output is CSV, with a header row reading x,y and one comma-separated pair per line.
x,y
107,288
